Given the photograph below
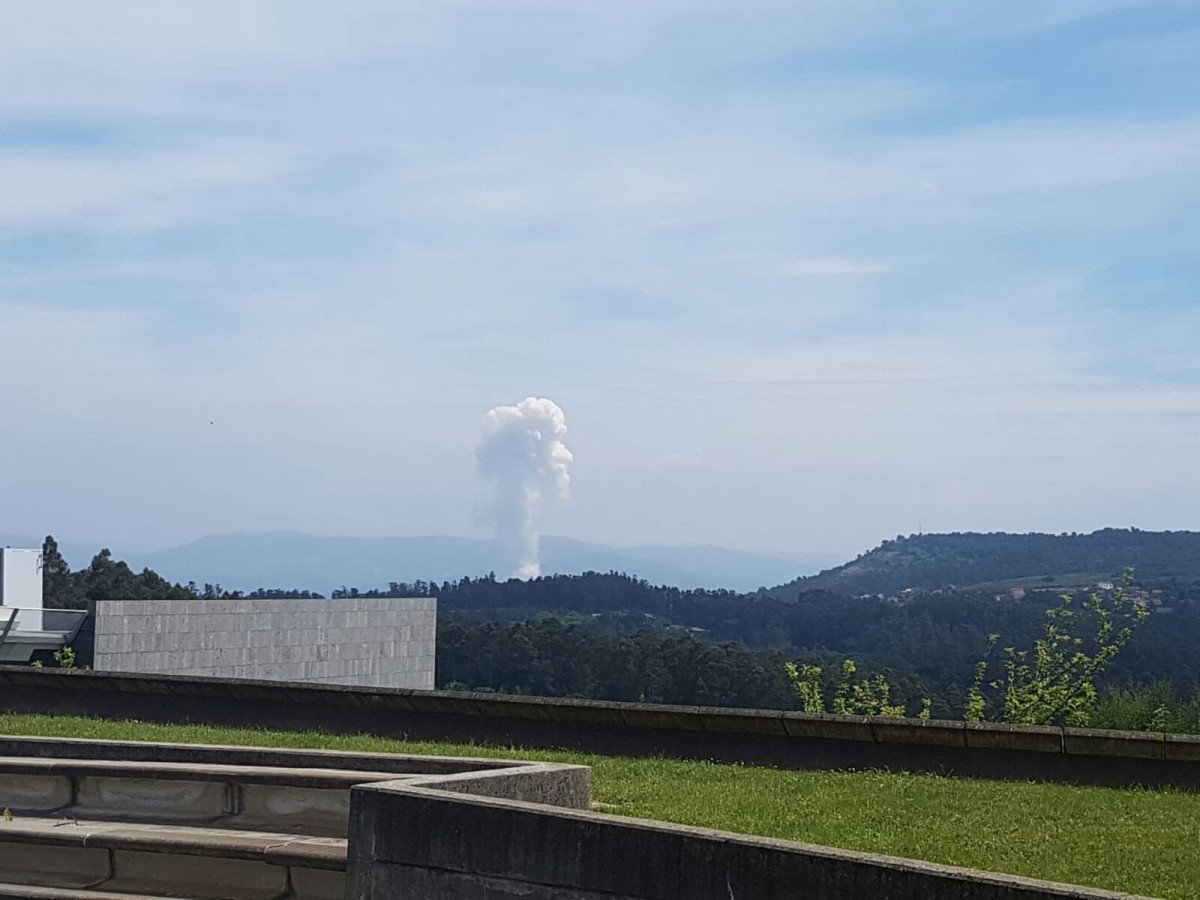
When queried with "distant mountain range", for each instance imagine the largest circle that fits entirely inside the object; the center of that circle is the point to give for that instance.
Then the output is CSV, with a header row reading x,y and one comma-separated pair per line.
x,y
287,559
936,561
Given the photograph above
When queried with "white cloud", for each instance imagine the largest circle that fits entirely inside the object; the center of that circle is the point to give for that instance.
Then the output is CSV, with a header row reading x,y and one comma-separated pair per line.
x,y
343,232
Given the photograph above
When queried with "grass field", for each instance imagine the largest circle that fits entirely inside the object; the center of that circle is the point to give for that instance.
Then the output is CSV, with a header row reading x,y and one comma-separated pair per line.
x,y
1147,574
1140,841
1072,581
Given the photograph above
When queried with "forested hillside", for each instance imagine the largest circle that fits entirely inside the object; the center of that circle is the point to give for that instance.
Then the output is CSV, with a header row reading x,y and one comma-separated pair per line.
x,y
722,651
613,636
936,561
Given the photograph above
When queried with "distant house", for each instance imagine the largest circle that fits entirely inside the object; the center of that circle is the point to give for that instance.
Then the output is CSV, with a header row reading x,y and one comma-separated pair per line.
x,y
1017,593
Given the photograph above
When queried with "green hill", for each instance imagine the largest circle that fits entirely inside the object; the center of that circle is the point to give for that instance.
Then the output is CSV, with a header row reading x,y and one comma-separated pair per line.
x,y
937,561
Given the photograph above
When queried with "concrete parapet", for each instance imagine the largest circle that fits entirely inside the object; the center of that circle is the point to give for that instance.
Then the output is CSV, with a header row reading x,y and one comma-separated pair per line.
x,y
1023,738
549,784
836,728
581,712
653,715
765,721
515,707
1182,747
1114,744
788,739
931,732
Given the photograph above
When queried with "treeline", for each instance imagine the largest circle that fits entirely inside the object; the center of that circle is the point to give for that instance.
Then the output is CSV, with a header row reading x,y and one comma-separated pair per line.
x,y
937,637
549,657
112,579
105,579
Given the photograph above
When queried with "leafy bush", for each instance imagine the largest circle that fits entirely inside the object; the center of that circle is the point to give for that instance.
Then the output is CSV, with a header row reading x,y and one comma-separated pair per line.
x,y
1055,682
863,696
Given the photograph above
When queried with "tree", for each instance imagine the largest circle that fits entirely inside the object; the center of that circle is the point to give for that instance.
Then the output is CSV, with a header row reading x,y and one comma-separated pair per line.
x,y
58,587
1055,682
108,579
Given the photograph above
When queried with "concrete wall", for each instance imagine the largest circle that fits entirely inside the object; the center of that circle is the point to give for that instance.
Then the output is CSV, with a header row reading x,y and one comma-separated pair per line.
x,y
784,739
416,842
371,642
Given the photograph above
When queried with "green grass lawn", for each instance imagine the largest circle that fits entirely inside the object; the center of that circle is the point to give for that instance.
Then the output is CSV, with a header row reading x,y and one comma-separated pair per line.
x,y
1140,841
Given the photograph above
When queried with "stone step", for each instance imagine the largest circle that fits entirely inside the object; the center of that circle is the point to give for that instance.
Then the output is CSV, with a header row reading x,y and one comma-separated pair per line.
x,y
331,778
303,801
31,892
179,861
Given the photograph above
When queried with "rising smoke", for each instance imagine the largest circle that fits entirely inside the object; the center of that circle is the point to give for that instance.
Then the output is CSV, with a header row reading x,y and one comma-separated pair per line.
x,y
522,453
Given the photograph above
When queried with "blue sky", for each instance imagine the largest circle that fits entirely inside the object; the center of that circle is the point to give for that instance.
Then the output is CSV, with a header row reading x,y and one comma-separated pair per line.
x,y
802,275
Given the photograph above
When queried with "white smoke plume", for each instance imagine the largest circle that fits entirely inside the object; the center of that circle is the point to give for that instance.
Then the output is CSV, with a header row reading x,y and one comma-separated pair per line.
x,y
522,453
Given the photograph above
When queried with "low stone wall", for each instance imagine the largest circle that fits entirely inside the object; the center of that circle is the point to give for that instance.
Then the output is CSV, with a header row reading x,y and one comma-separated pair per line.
x,y
786,739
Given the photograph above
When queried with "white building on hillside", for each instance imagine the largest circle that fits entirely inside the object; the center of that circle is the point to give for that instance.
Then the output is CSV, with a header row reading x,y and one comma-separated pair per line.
x,y
25,625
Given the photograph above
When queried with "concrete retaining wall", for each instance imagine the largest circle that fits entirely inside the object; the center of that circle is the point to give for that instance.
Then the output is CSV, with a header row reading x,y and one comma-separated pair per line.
x,y
419,843
372,642
423,828
786,739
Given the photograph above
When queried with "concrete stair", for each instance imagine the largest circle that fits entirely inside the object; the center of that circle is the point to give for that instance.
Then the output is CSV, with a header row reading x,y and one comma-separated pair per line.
x,y
87,829
300,800
32,892
170,860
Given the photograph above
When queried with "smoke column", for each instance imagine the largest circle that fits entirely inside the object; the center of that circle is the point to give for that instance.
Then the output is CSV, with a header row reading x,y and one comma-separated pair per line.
x,y
522,453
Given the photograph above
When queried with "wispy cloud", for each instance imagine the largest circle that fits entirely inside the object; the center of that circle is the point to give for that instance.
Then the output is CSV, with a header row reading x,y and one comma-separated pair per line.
x,y
884,240
833,267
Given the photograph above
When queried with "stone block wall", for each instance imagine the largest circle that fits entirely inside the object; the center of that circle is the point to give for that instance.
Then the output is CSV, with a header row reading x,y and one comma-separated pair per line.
x,y
370,642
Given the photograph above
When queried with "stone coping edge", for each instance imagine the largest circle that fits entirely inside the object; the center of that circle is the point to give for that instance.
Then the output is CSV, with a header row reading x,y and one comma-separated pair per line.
x,y
79,751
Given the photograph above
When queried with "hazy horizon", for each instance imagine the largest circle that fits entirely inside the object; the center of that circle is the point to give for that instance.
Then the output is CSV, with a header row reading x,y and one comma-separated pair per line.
x,y
86,545
97,543
800,277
